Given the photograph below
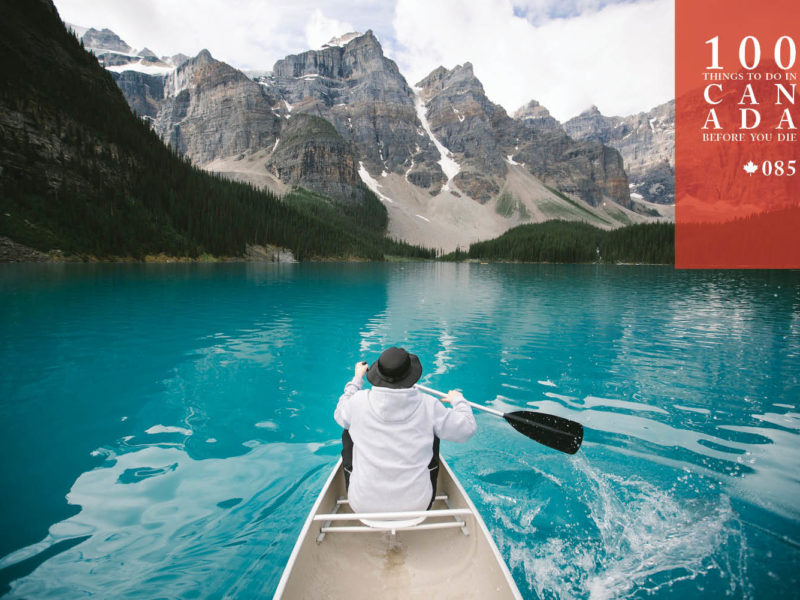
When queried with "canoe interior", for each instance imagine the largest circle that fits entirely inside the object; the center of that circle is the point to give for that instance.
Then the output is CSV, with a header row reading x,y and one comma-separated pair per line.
x,y
442,563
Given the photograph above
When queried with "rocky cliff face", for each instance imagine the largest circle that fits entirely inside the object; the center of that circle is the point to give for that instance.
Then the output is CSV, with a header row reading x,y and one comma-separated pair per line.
x,y
362,93
588,170
310,153
467,124
211,109
105,39
538,118
144,93
485,141
646,142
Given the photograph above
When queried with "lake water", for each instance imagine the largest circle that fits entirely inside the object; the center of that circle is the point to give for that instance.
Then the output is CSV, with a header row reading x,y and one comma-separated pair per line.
x,y
165,428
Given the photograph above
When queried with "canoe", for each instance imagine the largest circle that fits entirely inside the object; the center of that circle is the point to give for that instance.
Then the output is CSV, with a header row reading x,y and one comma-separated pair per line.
x,y
445,552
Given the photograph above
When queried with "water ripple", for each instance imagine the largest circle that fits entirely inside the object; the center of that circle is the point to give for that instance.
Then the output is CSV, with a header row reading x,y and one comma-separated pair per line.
x,y
186,413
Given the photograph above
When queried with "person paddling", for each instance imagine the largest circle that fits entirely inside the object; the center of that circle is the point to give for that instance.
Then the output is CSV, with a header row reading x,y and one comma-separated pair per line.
x,y
390,443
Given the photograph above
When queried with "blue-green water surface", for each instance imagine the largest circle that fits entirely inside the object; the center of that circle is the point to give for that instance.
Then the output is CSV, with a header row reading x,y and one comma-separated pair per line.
x,y
164,429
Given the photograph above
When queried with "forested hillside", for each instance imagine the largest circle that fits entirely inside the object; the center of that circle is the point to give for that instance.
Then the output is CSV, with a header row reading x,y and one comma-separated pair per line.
x,y
81,173
569,242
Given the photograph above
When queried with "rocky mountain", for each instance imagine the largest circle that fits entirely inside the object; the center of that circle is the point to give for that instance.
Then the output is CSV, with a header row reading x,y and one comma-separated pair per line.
x,y
538,117
117,56
460,116
486,140
82,176
350,83
105,39
312,154
210,109
647,144
145,93
448,163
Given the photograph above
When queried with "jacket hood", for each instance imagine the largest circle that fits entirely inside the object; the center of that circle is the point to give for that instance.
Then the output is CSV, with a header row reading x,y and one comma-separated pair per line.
x,y
394,405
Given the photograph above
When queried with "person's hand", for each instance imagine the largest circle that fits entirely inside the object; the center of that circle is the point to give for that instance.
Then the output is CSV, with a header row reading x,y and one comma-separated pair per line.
x,y
361,368
451,395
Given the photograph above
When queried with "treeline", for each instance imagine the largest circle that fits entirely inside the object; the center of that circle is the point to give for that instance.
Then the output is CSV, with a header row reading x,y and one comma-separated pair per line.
x,y
84,175
573,242
371,214
365,223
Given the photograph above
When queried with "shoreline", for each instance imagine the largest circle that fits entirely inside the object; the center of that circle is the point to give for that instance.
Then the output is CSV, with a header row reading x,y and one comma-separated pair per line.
x,y
14,252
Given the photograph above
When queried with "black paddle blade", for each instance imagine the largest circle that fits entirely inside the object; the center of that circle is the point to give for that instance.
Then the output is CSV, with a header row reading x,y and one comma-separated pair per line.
x,y
556,432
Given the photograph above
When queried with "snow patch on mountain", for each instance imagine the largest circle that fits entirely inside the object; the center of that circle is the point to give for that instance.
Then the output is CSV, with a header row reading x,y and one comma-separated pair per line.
x,y
408,171
371,183
133,54
143,67
449,166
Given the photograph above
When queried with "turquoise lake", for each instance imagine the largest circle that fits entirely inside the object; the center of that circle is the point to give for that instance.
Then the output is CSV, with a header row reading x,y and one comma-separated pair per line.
x,y
165,429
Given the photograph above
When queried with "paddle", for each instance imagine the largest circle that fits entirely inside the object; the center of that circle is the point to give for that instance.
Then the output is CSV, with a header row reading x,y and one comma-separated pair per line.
x,y
551,430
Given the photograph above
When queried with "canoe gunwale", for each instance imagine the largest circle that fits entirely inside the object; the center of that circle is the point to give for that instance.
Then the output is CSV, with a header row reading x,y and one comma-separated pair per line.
x,y
287,571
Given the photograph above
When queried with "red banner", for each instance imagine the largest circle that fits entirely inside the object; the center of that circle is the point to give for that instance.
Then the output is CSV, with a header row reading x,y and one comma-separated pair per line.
x,y
737,113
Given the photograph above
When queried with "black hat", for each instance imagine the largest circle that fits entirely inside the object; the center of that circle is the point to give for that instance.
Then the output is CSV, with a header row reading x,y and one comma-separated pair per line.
x,y
395,368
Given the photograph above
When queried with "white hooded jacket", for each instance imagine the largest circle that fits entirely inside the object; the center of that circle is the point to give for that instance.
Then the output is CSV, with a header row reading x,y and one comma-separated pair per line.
x,y
392,432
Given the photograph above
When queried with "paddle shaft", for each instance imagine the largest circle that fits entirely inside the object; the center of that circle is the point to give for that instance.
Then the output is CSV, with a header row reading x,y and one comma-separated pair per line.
x,y
551,430
491,411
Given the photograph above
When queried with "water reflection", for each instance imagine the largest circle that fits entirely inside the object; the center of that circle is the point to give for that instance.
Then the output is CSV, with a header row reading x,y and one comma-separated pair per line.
x,y
156,514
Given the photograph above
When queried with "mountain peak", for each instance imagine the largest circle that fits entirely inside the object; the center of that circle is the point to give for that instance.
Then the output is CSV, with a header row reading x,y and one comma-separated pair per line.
x,y
368,41
344,40
203,56
370,36
434,76
532,110
105,39
340,57
461,76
